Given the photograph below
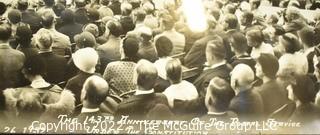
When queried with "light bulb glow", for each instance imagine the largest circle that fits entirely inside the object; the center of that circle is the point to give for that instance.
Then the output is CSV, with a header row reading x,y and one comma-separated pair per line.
x,y
195,14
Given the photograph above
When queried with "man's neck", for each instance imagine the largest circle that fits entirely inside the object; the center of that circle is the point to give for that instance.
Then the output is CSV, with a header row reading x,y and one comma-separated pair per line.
x,y
266,79
239,54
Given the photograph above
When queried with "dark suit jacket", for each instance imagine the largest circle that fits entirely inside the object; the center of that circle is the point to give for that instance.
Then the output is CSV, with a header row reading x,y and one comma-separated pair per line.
x,y
196,57
197,106
56,67
32,18
138,106
71,29
75,85
11,63
247,105
203,80
273,95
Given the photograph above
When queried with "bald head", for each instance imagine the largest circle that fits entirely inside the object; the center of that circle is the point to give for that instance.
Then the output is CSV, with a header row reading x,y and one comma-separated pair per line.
x,y
241,76
95,90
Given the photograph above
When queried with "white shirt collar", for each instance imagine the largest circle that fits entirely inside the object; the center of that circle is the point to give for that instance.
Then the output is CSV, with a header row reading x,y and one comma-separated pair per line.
x,y
88,110
39,83
216,113
142,92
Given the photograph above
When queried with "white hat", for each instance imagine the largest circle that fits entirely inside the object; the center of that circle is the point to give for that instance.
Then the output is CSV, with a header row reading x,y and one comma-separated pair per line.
x,y
86,59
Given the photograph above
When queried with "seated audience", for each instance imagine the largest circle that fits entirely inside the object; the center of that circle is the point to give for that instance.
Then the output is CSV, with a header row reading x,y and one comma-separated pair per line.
x,y
119,74
145,99
247,103
179,89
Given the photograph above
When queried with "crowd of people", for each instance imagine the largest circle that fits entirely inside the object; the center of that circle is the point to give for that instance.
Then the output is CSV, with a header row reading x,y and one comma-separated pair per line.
x,y
140,58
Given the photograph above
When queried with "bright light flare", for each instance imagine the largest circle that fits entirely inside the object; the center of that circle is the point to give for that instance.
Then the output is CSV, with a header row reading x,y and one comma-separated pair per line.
x,y
195,15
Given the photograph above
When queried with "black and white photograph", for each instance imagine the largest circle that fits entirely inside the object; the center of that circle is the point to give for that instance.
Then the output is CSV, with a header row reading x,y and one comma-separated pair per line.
x,y
160,67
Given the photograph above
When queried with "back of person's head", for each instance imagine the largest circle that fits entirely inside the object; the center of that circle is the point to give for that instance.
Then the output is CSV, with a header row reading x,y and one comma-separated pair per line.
x,y
58,8
86,59
44,40
14,16
254,37
49,3
241,76
5,32
215,50
268,64
115,28
168,22
24,35
34,65
95,90
248,16
230,8
85,39
174,71
3,8
140,15
29,104
92,28
239,42
47,19
219,94
290,43
164,46
146,74
303,89
307,35
67,16
127,24
126,9
130,47
231,21
93,14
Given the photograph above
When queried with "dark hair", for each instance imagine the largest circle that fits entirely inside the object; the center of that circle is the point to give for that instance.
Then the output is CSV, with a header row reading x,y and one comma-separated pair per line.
x,y
307,36
49,3
231,8
140,15
67,16
174,70
35,65
5,32
58,8
164,46
47,19
14,16
3,8
115,28
256,34
304,89
24,35
127,24
130,47
231,20
222,92
279,30
22,5
293,44
249,16
239,42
